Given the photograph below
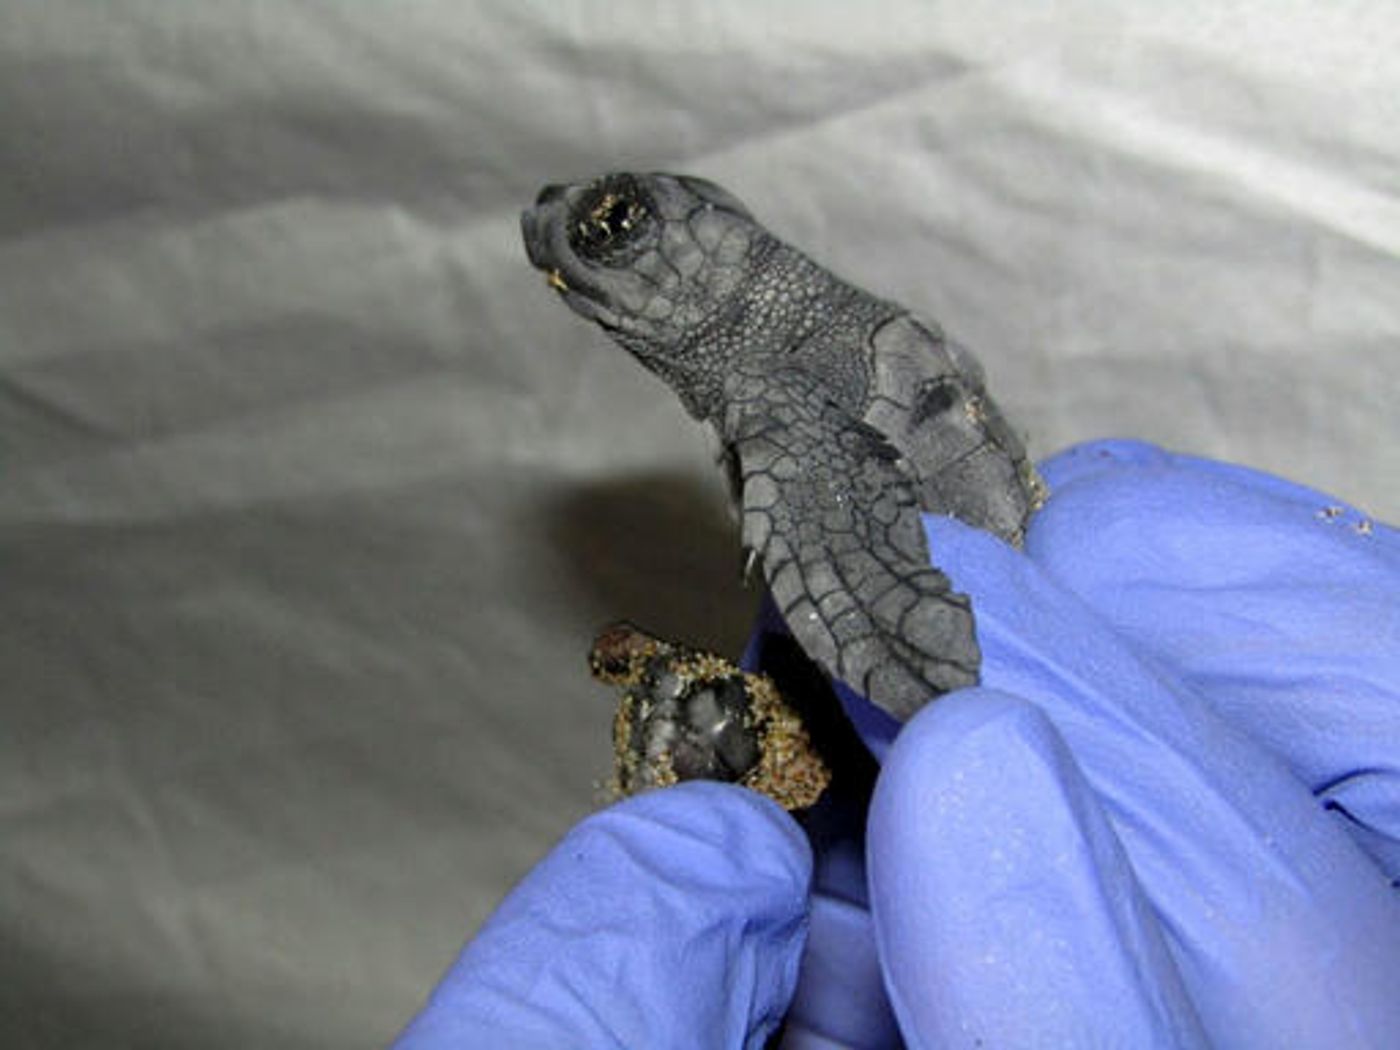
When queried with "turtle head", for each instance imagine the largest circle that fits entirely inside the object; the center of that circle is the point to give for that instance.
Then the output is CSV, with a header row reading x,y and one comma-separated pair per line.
x,y
650,258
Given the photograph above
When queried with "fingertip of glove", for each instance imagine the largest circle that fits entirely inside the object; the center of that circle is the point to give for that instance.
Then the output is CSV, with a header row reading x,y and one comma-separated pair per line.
x,y
1099,492
1122,507
965,770
674,916
974,774
1107,467
745,828
1095,458
955,740
1001,899
726,874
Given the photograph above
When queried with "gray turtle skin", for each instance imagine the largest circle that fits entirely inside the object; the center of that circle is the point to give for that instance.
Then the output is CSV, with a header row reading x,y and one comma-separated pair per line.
x,y
841,416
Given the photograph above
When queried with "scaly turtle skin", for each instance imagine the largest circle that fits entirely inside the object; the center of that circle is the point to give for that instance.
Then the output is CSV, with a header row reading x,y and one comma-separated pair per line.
x,y
842,417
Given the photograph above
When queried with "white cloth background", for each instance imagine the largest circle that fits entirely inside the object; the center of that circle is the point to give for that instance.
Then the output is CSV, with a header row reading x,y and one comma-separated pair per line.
x,y
311,495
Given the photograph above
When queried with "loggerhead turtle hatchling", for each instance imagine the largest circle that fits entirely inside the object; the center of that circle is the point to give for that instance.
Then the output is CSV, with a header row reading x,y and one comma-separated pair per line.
x,y
840,415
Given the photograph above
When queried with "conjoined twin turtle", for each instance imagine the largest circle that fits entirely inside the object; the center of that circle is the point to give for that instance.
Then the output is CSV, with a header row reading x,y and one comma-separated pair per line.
x,y
841,417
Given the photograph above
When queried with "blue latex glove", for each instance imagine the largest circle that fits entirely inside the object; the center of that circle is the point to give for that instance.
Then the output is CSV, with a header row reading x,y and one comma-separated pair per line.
x,y
1169,816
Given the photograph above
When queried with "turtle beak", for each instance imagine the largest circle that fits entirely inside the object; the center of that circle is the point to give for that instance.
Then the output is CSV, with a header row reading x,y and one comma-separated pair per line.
x,y
536,249
534,239
541,229
535,228
550,193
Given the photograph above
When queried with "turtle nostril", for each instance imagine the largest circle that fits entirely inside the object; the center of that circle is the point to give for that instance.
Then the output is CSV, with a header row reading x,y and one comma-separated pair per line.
x,y
551,192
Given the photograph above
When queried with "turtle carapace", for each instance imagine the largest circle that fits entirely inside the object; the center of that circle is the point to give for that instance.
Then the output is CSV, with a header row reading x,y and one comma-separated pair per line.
x,y
841,416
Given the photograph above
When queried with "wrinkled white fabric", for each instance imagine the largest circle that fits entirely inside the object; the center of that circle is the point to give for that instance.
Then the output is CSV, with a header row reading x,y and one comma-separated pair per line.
x,y
311,497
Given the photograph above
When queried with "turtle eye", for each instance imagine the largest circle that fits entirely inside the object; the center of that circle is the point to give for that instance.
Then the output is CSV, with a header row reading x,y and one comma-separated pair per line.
x,y
609,221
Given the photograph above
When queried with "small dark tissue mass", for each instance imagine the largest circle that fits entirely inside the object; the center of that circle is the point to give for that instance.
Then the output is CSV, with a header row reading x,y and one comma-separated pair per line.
x,y
686,714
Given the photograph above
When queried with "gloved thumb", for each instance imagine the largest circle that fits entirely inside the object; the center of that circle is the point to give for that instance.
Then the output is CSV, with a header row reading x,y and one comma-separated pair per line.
x,y
673,919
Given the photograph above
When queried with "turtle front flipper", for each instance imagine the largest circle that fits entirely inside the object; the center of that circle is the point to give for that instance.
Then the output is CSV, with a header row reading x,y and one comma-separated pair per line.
x,y
835,520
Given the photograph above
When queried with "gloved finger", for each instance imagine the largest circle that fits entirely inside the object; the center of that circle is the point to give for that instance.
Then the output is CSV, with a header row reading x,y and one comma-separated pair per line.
x,y
840,999
1005,910
1278,604
1280,925
673,919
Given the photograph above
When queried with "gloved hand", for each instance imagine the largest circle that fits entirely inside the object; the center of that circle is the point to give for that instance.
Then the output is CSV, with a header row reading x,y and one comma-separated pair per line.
x,y
1170,815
